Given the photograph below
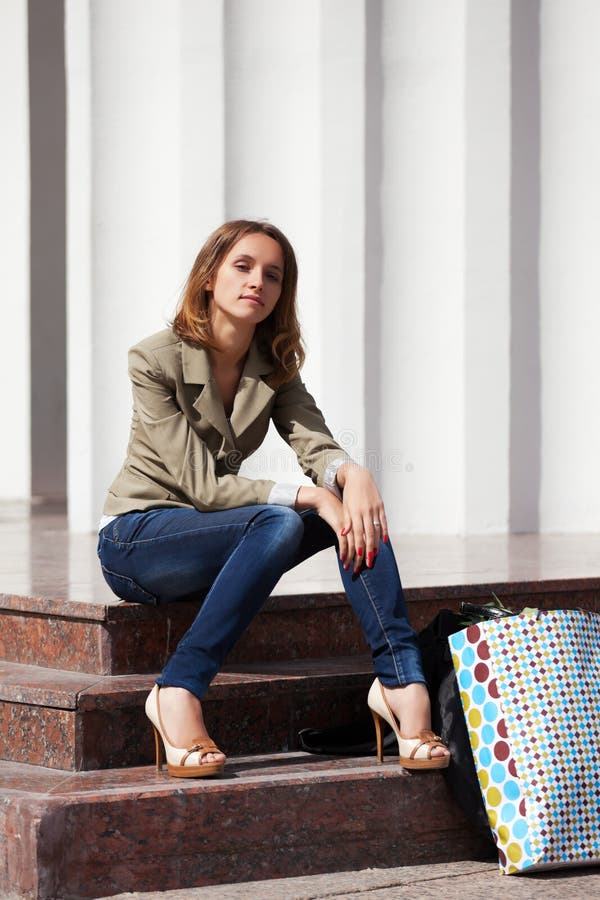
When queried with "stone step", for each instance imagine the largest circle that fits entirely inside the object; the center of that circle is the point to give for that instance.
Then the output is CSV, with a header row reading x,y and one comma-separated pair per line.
x,y
93,834
74,721
122,638
128,638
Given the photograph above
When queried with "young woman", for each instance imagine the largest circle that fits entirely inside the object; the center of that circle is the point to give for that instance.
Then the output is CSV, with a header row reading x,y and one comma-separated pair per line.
x,y
179,519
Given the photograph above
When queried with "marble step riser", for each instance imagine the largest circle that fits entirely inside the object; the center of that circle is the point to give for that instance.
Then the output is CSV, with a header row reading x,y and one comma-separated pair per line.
x,y
144,645
141,639
87,739
110,843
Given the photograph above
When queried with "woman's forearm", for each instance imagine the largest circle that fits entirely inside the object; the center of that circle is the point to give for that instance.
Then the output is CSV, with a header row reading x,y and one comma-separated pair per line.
x,y
308,497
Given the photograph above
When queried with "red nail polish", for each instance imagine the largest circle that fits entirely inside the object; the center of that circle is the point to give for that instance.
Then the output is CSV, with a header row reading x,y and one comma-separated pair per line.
x,y
343,557
385,539
343,532
359,551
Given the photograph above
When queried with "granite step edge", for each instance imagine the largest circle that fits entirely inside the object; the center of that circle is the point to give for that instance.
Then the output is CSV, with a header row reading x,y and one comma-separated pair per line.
x,y
117,610
63,689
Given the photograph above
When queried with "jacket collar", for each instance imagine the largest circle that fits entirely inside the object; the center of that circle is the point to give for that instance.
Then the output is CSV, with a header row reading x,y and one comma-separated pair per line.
x,y
252,395
197,370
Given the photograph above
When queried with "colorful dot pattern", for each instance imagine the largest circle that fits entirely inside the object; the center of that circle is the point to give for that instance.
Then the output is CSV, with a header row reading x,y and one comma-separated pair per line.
x,y
529,689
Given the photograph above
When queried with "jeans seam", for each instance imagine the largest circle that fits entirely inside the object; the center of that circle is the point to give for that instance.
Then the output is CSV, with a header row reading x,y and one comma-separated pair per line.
x,y
387,640
166,537
130,580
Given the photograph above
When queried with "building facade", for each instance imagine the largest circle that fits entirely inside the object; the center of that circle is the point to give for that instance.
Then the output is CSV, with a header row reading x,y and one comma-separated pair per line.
x,y
435,164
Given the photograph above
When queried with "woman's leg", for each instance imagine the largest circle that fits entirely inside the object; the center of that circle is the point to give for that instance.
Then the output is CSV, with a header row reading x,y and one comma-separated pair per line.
x,y
378,600
165,554
236,556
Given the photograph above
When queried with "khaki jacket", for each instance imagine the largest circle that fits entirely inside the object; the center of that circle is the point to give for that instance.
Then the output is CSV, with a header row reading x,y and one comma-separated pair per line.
x,y
183,452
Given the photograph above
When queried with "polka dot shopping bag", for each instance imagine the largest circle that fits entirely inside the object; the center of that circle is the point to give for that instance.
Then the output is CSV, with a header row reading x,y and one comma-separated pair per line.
x,y
530,691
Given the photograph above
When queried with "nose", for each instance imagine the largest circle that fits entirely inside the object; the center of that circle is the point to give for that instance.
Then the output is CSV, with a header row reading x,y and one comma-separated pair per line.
x,y
256,279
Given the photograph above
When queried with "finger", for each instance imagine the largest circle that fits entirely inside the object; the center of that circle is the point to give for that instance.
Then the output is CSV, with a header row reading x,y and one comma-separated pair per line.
x,y
373,534
346,540
351,551
347,536
349,562
384,526
342,547
359,541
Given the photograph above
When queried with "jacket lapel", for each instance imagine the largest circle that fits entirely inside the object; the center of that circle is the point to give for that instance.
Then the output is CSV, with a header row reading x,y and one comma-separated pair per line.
x,y
196,370
251,397
253,394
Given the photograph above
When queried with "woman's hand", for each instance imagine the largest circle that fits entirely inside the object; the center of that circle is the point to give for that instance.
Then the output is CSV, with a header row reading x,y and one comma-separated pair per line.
x,y
331,510
364,513
359,522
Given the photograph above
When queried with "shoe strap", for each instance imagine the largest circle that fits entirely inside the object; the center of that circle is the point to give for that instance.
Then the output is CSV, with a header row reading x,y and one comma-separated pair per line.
x,y
427,739
201,746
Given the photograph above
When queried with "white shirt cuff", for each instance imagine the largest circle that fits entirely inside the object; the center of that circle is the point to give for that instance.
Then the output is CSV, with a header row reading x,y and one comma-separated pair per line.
x,y
284,494
330,475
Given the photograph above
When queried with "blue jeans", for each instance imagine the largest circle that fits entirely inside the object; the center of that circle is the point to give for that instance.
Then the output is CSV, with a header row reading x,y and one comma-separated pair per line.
x,y
235,557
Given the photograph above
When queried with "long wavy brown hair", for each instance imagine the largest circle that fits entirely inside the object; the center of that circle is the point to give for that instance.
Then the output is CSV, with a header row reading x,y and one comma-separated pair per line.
x,y
278,336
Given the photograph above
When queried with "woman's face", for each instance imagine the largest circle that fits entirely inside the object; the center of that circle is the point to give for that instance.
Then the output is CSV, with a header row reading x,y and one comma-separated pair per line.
x,y
248,282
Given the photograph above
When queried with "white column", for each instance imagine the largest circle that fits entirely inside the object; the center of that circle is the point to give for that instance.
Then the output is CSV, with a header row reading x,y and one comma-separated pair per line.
x,y
570,266
80,264
202,128
145,188
273,132
341,301
15,450
273,159
487,266
295,155
136,203
423,264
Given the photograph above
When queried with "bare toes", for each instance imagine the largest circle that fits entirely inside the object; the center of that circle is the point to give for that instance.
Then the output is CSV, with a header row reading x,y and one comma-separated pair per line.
x,y
439,751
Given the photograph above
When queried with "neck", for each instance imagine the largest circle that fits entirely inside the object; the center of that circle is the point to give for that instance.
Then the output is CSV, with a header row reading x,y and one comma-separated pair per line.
x,y
233,342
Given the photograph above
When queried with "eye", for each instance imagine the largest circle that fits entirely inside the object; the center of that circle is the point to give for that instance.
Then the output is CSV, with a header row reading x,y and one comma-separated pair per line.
x,y
273,276
242,266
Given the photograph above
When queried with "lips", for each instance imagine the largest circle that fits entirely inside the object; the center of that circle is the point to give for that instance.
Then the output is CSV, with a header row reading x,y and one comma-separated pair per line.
x,y
253,298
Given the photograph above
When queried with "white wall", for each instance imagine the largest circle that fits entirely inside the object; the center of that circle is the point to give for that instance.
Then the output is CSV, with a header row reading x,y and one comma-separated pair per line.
x,y
15,450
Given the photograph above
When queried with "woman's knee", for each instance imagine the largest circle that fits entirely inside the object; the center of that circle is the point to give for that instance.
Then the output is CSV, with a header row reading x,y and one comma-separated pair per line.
x,y
287,525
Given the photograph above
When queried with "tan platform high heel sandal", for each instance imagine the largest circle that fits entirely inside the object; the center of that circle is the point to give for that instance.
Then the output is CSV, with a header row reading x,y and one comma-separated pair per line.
x,y
415,752
181,762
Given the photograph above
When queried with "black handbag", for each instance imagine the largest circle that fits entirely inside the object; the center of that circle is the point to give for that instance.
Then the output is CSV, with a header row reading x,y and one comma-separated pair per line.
x,y
353,739
447,716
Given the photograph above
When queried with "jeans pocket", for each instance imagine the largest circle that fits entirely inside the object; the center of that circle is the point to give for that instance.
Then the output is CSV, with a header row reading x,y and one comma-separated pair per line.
x,y
127,589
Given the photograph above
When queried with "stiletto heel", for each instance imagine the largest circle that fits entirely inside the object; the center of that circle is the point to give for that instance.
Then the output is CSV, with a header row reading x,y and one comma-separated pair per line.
x,y
378,735
158,748
181,762
414,752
